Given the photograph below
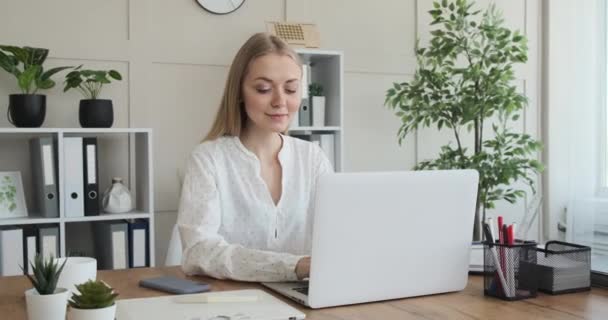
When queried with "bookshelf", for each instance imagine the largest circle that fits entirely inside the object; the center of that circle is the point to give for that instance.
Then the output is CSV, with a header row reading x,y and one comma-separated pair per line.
x,y
124,152
326,68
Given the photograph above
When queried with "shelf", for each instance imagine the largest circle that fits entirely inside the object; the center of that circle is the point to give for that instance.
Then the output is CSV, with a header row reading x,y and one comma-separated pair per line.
x,y
29,220
109,216
74,130
333,129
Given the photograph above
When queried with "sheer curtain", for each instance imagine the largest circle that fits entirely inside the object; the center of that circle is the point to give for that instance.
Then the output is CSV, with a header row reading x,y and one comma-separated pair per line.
x,y
575,140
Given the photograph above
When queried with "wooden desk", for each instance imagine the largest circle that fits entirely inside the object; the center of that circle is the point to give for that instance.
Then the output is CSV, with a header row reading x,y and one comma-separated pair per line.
x,y
467,304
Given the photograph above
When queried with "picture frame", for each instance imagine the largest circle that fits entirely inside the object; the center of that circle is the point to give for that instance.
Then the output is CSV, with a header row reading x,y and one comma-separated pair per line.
x,y
12,196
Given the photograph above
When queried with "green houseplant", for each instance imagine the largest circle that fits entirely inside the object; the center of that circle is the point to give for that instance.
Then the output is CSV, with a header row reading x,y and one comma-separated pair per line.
x,y
94,301
463,83
93,112
28,108
45,300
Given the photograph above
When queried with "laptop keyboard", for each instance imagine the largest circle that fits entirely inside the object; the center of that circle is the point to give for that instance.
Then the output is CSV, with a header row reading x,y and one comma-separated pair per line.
x,y
302,290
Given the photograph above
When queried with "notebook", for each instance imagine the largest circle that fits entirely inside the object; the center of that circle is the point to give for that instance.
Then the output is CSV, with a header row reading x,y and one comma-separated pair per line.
x,y
233,305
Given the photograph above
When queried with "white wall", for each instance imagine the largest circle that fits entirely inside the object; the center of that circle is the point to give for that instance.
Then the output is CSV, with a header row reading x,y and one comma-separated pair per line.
x,y
175,57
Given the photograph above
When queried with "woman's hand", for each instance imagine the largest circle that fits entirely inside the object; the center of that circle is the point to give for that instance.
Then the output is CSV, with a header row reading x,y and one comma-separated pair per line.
x,y
303,268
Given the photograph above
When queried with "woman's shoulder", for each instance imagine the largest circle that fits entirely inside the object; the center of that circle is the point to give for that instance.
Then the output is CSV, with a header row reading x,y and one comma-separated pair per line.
x,y
212,148
303,147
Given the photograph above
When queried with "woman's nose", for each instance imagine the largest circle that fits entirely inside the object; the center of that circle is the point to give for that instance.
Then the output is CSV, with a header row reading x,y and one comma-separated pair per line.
x,y
278,99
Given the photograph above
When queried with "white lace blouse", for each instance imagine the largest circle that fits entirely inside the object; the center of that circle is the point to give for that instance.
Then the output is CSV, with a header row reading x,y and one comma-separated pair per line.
x,y
229,225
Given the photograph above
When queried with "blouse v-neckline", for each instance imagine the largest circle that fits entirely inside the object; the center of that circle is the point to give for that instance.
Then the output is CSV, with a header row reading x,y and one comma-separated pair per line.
x,y
258,169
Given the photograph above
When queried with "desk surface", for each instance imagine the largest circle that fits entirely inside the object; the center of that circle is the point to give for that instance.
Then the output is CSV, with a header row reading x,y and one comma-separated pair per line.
x,y
467,304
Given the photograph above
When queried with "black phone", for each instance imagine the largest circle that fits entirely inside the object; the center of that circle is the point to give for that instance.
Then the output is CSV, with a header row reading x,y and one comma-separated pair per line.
x,y
174,285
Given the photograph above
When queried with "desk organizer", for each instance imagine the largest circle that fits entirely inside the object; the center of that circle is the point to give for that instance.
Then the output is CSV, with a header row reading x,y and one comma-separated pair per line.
x,y
563,267
510,270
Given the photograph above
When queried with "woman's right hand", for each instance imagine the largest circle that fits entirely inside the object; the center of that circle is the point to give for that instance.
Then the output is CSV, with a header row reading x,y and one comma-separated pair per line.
x,y
303,268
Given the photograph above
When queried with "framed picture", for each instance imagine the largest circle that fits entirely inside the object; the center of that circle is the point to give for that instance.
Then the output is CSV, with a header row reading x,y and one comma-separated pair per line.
x,y
12,198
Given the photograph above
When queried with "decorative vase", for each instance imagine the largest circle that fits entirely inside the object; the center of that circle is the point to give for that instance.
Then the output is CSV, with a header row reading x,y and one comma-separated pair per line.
x,y
96,113
46,306
117,198
26,110
77,270
107,313
318,111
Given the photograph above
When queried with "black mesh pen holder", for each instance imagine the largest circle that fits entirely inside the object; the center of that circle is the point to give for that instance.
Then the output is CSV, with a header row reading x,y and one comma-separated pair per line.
x,y
564,267
510,270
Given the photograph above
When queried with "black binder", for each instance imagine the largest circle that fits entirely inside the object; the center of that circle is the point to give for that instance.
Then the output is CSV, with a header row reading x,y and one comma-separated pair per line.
x,y
91,176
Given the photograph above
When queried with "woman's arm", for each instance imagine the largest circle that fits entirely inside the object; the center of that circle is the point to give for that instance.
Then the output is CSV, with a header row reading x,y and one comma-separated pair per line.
x,y
205,251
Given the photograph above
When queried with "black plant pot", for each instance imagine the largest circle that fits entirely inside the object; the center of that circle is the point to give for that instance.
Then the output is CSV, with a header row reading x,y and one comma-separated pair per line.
x,y
96,113
26,110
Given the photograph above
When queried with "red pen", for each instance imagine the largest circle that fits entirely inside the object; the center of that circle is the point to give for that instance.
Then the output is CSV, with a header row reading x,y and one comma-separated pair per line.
x,y
500,234
510,236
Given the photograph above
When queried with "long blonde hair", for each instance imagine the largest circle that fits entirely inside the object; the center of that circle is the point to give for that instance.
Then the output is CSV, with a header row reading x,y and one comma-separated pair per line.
x,y
231,117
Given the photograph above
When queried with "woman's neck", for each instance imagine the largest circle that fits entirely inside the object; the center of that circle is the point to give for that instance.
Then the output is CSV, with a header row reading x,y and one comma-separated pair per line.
x,y
264,144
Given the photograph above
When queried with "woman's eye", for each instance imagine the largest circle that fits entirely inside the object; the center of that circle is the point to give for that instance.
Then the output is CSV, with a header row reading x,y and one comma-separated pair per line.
x,y
290,91
262,90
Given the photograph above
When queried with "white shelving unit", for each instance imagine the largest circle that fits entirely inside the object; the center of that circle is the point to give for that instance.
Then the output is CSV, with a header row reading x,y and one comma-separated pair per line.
x,y
125,152
327,69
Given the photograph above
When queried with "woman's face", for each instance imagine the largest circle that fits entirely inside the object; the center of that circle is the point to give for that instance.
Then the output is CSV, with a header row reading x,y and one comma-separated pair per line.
x,y
271,92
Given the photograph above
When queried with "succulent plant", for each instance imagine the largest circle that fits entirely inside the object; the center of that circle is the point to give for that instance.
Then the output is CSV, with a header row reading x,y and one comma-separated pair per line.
x,y
93,295
45,274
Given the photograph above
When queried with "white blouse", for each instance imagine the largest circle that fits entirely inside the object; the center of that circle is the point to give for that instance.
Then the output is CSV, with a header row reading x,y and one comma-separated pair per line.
x,y
229,225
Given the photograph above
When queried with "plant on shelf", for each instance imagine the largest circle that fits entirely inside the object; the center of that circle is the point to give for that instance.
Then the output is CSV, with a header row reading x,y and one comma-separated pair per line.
x,y
464,81
45,300
28,108
95,300
93,112
315,89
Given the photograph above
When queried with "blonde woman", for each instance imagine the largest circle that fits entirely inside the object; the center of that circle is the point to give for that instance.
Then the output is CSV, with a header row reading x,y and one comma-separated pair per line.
x,y
246,205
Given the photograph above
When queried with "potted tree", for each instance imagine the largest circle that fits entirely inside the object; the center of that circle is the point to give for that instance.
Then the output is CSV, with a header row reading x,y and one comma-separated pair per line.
x,y
93,112
95,301
463,82
27,109
45,301
318,104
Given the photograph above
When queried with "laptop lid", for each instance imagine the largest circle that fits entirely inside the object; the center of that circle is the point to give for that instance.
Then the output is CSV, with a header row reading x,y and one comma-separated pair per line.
x,y
389,235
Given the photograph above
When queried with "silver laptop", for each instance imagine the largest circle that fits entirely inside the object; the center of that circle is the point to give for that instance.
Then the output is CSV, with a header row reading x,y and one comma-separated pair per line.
x,y
388,235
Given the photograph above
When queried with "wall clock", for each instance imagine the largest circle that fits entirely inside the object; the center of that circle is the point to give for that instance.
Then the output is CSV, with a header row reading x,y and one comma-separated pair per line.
x,y
220,6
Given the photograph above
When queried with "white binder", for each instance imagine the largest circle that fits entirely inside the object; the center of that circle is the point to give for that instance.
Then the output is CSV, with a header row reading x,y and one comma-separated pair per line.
x,y
11,252
73,171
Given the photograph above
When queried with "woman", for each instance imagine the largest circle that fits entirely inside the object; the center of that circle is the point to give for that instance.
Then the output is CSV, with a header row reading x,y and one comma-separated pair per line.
x,y
246,207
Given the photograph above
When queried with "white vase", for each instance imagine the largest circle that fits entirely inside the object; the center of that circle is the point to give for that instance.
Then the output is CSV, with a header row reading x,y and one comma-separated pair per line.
x,y
117,198
77,270
46,306
318,111
107,313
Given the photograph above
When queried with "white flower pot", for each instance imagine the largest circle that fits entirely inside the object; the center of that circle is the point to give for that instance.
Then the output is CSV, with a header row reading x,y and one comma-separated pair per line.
x,y
77,270
318,111
48,306
107,313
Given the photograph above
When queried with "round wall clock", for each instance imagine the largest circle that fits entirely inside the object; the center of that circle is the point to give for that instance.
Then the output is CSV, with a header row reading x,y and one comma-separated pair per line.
x,y
220,6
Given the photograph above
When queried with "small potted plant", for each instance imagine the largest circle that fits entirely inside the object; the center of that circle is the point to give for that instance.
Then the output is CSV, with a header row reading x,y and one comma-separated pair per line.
x,y
45,301
318,104
27,109
93,112
95,302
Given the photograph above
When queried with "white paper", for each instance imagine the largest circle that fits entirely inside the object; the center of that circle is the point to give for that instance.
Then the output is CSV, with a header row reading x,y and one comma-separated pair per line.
x,y
49,246
31,252
118,250
91,164
47,163
139,248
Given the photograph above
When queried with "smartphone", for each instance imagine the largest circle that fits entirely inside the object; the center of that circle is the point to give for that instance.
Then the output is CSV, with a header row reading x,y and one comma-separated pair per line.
x,y
174,285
